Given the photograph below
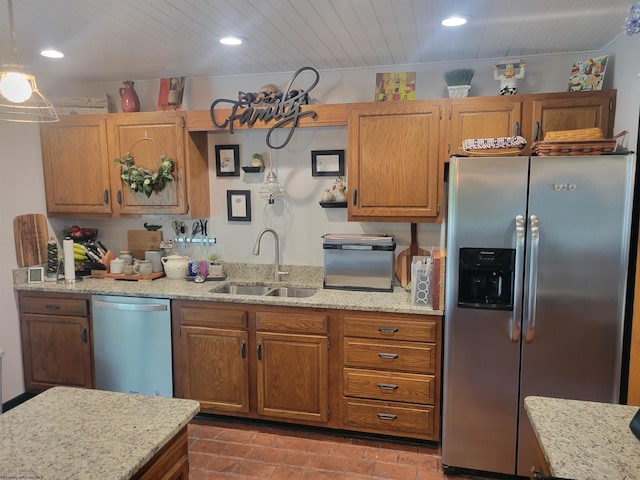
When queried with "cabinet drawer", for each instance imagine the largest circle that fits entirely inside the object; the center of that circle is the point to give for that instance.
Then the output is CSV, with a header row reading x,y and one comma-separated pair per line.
x,y
314,323
213,317
390,327
403,356
398,387
77,307
389,418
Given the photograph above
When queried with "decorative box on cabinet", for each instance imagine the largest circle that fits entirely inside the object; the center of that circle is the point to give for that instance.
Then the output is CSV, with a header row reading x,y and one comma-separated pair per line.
x,y
81,144
56,341
391,374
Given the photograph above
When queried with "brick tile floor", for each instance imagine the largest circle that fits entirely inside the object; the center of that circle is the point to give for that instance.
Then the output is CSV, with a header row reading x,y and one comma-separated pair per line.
x,y
221,449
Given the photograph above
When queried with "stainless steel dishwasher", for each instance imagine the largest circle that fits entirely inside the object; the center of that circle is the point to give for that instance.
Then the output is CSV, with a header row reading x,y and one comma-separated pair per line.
x,y
132,345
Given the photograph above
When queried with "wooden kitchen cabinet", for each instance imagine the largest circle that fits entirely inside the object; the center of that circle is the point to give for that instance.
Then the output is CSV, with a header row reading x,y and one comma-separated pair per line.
x,y
82,179
77,166
394,172
213,357
256,361
550,112
56,340
481,117
391,374
293,365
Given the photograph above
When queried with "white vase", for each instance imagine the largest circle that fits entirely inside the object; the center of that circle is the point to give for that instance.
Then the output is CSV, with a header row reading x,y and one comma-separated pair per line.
x,y
459,91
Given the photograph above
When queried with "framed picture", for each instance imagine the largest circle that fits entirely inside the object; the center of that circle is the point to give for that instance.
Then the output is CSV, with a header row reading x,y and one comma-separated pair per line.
x,y
170,95
327,163
228,160
239,205
588,74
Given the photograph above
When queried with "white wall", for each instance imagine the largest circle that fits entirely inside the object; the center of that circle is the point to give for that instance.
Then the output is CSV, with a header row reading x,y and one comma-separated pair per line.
x,y
299,219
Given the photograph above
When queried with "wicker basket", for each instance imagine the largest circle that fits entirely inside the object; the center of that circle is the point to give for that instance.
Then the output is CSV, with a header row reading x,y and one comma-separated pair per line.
x,y
583,147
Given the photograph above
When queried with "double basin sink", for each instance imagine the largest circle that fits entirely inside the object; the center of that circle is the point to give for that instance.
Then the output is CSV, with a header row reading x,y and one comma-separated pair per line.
x,y
264,290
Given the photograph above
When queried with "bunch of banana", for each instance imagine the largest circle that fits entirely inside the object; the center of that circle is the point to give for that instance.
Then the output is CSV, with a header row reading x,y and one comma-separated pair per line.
x,y
79,253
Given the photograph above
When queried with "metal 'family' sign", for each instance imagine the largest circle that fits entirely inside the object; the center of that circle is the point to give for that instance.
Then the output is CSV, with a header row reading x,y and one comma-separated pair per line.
x,y
286,110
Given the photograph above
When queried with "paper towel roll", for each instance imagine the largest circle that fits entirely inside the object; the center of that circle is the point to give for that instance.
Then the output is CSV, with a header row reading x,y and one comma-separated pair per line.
x,y
69,264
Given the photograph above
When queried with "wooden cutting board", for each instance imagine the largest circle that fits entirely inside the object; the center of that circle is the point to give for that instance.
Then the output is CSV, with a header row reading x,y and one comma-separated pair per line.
x,y
31,236
404,258
140,240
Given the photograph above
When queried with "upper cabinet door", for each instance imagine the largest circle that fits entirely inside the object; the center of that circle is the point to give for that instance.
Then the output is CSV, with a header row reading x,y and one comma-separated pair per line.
x,y
147,137
573,110
393,161
76,166
481,117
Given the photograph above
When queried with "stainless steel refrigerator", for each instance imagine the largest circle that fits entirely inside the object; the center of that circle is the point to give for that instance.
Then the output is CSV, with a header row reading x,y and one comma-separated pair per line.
x,y
537,255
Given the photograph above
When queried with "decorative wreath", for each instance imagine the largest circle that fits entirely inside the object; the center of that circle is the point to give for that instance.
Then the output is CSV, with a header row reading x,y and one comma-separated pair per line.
x,y
143,180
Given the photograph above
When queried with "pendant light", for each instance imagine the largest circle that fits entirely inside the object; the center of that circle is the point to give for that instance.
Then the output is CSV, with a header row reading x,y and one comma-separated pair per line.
x,y
20,99
271,190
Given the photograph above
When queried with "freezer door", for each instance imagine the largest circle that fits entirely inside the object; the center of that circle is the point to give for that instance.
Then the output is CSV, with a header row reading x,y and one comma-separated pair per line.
x,y
572,347
481,362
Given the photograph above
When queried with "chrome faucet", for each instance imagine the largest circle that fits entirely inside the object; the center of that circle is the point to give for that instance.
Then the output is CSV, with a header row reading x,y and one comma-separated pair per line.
x,y
276,262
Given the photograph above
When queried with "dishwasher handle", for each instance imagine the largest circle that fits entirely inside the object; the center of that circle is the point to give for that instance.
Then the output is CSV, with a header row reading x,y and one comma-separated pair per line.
x,y
132,307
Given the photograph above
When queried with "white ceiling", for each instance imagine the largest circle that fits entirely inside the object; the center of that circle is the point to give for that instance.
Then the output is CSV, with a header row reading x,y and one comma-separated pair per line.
x,y
112,40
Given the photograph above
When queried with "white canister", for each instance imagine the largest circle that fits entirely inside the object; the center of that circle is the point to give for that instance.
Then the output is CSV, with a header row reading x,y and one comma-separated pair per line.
x,y
116,266
155,257
176,266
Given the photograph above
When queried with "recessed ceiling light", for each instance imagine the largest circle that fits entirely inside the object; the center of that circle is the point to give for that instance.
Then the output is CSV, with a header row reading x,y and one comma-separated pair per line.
x,y
454,21
230,40
50,53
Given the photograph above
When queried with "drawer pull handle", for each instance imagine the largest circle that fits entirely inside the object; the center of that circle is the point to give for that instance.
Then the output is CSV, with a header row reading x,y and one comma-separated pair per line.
x,y
52,307
387,416
387,386
387,330
388,355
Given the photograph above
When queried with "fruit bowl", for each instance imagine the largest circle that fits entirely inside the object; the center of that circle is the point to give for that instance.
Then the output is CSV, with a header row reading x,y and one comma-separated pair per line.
x,y
79,234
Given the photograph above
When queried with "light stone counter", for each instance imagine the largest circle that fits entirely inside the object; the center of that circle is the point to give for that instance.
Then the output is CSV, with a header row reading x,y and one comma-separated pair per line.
x,y
585,440
398,301
87,434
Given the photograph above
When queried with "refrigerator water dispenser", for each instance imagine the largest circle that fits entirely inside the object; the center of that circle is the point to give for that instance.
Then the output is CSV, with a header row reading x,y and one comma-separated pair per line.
x,y
486,278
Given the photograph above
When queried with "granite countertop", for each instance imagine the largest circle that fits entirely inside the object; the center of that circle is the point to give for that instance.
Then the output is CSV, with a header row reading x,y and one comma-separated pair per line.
x,y
398,301
585,440
87,434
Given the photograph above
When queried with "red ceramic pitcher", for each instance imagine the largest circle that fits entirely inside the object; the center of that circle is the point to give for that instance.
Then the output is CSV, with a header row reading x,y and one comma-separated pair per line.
x,y
130,100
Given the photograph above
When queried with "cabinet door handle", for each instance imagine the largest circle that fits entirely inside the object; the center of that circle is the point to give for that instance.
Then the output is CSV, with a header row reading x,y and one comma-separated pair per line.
x,y
85,337
106,196
243,349
52,307
119,197
387,386
387,416
355,196
387,330
259,351
388,355
536,131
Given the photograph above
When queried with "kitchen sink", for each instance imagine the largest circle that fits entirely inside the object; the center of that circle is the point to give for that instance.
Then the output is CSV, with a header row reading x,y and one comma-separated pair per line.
x,y
241,289
264,290
294,292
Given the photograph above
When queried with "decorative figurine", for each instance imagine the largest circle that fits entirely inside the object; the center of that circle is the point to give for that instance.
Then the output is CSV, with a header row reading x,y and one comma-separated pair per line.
x,y
509,79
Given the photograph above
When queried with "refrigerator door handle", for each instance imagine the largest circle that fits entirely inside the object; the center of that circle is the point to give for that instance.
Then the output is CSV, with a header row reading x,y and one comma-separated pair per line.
x,y
530,313
514,323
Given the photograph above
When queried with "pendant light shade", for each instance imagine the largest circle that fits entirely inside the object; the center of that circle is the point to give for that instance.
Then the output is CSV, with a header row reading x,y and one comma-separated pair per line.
x,y
20,99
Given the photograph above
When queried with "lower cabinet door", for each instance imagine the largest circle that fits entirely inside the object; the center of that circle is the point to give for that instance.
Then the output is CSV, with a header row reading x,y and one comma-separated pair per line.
x,y
216,369
57,352
292,371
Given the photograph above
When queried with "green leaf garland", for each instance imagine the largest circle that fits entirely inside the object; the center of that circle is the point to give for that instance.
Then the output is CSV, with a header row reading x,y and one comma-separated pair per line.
x,y
143,180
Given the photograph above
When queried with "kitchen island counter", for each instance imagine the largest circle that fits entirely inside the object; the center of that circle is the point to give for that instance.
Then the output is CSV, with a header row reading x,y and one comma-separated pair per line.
x,y
89,434
398,301
585,440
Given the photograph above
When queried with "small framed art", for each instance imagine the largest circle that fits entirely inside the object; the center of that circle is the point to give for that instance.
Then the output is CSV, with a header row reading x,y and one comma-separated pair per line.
x,y
327,163
239,205
228,160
